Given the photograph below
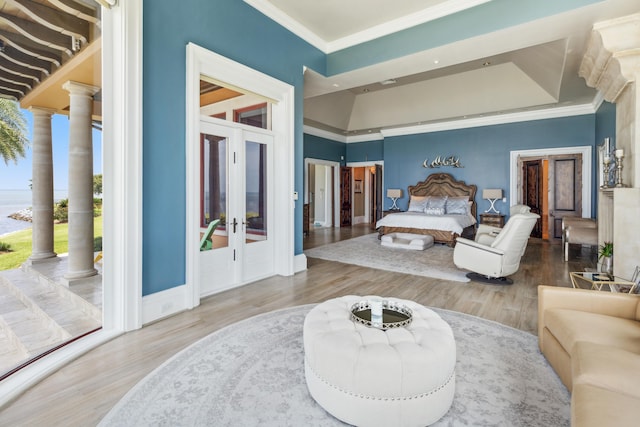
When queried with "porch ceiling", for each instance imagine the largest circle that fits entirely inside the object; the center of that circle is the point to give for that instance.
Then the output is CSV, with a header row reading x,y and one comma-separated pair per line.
x,y
43,44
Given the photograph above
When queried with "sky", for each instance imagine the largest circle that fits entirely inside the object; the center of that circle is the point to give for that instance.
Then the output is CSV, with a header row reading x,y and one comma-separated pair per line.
x,y
18,176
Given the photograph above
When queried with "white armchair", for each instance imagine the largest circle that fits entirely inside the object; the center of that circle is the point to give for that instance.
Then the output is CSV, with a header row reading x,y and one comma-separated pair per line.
x,y
492,262
486,234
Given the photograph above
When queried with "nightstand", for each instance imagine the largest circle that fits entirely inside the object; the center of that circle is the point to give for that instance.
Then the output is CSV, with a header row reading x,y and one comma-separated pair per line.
x,y
495,220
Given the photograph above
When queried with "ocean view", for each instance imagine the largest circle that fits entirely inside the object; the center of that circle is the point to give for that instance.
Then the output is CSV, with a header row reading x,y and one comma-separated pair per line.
x,y
12,201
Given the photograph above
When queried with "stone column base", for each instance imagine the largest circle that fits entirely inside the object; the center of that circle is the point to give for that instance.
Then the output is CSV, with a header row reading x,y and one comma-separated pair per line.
x,y
77,277
42,258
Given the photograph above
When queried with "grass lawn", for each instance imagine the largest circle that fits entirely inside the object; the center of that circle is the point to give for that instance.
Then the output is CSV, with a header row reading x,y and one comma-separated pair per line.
x,y
20,242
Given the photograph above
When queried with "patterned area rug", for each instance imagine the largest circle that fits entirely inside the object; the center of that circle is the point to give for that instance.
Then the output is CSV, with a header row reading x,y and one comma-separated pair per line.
x,y
366,251
251,373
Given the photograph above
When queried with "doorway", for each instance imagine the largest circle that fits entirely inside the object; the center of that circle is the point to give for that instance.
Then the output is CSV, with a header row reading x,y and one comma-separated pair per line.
x,y
321,192
554,183
236,205
365,192
256,227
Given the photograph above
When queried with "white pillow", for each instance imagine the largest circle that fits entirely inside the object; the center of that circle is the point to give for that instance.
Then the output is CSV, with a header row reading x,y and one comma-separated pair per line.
x,y
436,202
417,203
457,205
434,211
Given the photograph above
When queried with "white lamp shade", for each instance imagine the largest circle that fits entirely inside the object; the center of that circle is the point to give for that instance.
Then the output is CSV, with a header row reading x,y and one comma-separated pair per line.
x,y
394,193
492,193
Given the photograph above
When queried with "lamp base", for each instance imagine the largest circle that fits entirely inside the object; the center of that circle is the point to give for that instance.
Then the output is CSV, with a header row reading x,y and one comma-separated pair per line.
x,y
394,206
492,208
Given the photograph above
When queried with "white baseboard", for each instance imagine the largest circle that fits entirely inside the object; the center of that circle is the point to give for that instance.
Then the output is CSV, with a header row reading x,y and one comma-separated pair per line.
x,y
299,263
165,303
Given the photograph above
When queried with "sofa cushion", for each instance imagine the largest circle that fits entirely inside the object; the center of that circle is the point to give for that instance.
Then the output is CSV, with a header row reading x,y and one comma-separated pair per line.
x,y
606,367
571,326
593,406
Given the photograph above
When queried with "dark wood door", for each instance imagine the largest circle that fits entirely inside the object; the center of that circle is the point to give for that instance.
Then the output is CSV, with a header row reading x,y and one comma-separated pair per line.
x,y
532,190
565,190
376,196
345,197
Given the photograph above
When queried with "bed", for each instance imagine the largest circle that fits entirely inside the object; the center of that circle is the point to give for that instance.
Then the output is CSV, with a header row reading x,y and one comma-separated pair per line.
x,y
444,228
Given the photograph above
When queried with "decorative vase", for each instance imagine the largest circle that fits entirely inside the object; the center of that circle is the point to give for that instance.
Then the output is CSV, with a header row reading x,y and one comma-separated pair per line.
x,y
607,265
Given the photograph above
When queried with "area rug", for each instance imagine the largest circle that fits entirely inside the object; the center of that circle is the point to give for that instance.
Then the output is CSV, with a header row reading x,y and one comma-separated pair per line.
x,y
251,373
366,251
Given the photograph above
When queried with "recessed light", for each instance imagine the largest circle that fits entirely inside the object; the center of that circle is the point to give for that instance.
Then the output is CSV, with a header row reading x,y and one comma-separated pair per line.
x,y
437,61
336,85
486,64
388,82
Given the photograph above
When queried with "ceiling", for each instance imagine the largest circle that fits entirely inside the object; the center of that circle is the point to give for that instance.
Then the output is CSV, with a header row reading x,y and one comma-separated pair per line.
x,y
528,67
43,44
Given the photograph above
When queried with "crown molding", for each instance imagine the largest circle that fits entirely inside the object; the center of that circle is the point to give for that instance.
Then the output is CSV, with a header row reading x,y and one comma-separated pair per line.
x,y
429,14
526,116
269,10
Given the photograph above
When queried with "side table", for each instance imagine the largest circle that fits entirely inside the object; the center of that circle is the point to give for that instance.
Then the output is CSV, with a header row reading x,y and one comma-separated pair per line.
x,y
601,281
495,220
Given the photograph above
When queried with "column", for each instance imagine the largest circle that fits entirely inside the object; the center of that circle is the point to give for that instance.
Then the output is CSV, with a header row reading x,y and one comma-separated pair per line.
x,y
42,187
80,261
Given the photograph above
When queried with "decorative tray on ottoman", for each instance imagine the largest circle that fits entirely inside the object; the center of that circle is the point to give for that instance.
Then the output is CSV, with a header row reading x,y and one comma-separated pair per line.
x,y
394,315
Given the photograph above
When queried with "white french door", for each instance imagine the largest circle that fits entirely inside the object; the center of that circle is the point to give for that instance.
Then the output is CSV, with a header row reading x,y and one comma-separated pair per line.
x,y
236,205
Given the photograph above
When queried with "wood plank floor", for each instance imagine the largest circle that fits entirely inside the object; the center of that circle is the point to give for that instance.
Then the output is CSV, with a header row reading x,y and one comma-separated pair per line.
x,y
82,392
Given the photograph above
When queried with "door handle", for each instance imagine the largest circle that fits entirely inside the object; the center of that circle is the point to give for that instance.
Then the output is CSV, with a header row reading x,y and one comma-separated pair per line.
x,y
235,225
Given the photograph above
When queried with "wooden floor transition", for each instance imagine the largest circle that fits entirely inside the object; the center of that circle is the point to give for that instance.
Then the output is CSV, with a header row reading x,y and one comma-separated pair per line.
x,y
82,392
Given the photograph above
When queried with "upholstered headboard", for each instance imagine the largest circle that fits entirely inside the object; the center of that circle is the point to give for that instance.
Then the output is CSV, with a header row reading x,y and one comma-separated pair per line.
x,y
443,184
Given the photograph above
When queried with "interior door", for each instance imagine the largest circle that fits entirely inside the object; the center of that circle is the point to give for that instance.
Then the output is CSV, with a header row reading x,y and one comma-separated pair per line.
x,y
378,192
565,190
345,197
235,194
532,190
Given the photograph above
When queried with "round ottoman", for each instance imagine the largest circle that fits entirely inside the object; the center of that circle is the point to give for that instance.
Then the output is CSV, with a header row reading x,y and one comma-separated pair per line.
x,y
370,377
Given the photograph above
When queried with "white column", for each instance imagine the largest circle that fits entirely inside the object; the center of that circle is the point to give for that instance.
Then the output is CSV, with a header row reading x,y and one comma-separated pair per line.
x,y
80,261
42,187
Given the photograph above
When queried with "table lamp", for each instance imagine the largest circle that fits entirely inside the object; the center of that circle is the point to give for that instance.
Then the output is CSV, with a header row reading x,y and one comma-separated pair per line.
x,y
492,194
394,194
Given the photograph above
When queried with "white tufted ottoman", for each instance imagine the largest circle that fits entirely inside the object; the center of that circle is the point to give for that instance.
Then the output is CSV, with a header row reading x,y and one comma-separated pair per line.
x,y
370,377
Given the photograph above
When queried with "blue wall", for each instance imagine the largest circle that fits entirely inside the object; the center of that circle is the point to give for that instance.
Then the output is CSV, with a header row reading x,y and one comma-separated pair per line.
x,y
230,28
370,151
483,151
316,147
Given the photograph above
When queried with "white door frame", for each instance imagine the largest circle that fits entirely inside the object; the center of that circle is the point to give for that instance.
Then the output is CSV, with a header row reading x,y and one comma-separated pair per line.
x,y
336,186
366,186
585,150
201,61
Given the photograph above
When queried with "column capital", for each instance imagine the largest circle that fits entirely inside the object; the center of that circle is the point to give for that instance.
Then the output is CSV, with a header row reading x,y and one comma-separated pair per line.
x,y
75,88
612,57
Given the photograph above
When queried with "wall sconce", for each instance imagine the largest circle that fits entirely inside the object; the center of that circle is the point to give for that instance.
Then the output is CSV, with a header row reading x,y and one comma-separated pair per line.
x,y
394,194
492,194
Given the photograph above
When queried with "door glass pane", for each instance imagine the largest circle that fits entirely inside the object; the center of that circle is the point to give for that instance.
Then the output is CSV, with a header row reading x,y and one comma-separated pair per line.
x,y
256,192
253,116
213,192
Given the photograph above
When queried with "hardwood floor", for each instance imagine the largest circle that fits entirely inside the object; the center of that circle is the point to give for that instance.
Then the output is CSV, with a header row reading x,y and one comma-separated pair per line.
x,y
82,392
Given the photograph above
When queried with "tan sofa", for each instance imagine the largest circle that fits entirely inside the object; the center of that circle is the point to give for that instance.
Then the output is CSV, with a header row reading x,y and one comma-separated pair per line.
x,y
592,340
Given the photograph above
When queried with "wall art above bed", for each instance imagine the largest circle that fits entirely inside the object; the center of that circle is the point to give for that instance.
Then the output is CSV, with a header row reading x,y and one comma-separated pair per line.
x,y
439,161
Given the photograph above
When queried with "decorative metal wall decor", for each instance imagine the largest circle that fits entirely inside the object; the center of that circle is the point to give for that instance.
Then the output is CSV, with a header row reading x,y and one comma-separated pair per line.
x,y
439,161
